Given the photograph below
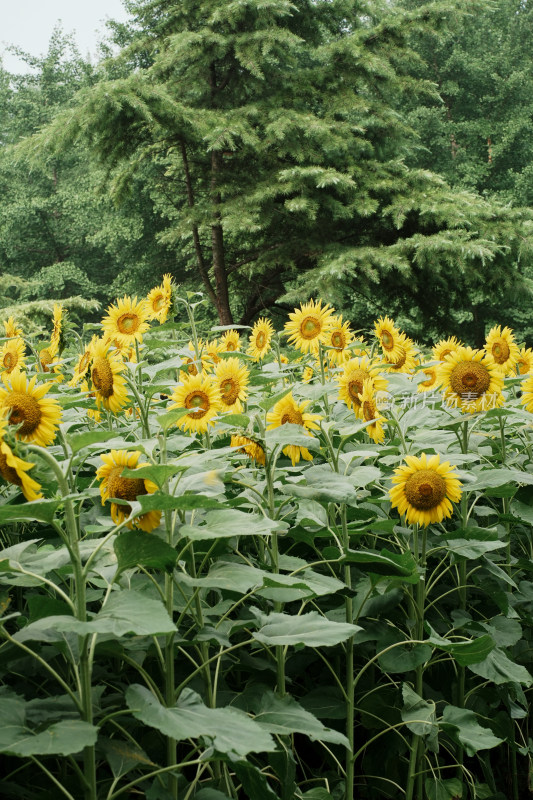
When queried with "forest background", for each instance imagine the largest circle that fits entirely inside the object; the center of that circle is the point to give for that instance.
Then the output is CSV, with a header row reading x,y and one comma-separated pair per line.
x,y
378,155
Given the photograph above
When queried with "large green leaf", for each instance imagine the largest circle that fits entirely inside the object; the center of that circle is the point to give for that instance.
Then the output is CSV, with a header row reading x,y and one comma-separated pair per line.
x,y
136,547
291,434
225,523
310,629
465,653
36,511
443,788
123,755
158,473
253,781
420,716
384,563
500,669
463,726
283,715
63,738
490,478
228,730
79,441
160,501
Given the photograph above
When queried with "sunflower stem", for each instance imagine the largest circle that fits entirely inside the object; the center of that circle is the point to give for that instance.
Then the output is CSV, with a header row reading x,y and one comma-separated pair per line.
x,y
323,376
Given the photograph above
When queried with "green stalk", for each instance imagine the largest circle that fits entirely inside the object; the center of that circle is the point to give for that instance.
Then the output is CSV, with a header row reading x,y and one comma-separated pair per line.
x,y
323,376
85,665
274,554
415,776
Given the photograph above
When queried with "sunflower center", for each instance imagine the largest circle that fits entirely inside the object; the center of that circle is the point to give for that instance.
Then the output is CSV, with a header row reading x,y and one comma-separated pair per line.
x,y
425,489
310,328
8,473
45,358
445,353
25,411
401,361
501,351
124,488
84,360
229,389
387,340
102,376
293,415
338,340
470,377
523,367
158,302
10,361
198,401
355,386
191,366
369,410
432,377
128,323
260,340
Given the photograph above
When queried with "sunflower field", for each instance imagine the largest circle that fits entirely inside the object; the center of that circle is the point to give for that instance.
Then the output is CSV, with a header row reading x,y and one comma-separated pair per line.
x,y
275,565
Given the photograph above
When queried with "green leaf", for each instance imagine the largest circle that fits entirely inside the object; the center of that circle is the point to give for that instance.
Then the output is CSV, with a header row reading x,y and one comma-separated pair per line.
x,y
489,478
160,501
169,419
309,629
420,717
123,756
283,715
443,788
270,402
79,441
500,669
63,738
462,725
505,632
465,653
226,523
472,548
158,473
290,434
384,563
36,511
254,783
135,547
228,730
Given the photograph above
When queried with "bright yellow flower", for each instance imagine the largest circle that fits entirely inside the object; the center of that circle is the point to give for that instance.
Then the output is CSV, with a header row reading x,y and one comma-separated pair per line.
x,y
369,412
251,448
406,362
338,339
524,363
12,329
12,355
471,380
82,367
126,321
231,341
389,339
212,350
259,342
56,339
108,384
425,489
159,300
431,382
199,393
500,344
288,410
114,485
27,406
231,378
14,469
309,326
356,372
444,347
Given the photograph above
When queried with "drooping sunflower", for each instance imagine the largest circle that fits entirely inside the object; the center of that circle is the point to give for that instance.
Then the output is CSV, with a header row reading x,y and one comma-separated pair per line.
x,y
12,355
338,339
425,489
114,485
309,326
108,384
524,362
307,374
231,341
57,339
444,347
82,367
501,345
159,300
14,469
231,378
248,446
471,380
199,393
288,410
356,372
27,406
389,339
260,337
431,382
370,413
126,321
406,362
12,329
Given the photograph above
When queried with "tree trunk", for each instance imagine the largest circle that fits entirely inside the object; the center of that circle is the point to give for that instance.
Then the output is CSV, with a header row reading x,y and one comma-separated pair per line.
x,y
217,243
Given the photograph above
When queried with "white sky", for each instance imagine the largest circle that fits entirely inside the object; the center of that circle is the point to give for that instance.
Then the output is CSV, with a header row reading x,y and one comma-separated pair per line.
x,y
29,24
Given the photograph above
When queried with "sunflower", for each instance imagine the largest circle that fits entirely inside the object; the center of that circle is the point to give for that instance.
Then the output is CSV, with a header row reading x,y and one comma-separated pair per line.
x,y
425,489
231,378
159,300
309,326
369,412
12,355
431,382
356,372
114,485
14,469
212,352
82,367
389,339
12,330
524,363
248,446
259,342
406,362
126,321
444,347
108,384
338,340
92,413
288,410
471,380
56,340
307,374
500,344
231,341
27,406
199,393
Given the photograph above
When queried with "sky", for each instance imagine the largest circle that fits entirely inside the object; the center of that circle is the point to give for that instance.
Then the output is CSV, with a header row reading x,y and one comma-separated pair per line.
x,y
29,25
